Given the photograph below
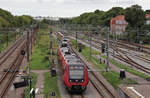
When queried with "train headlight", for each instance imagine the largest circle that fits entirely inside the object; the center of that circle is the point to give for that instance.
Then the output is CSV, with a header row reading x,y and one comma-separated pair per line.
x,y
82,80
70,80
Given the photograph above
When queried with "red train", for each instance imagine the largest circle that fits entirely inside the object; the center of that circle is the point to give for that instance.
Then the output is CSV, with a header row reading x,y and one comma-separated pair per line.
x,y
75,74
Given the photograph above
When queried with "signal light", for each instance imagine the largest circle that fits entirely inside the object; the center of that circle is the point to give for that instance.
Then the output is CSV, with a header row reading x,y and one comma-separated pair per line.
x,y
22,52
103,47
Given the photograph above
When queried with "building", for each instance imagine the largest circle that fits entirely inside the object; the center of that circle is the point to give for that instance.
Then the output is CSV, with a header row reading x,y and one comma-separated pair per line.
x,y
118,24
40,18
147,18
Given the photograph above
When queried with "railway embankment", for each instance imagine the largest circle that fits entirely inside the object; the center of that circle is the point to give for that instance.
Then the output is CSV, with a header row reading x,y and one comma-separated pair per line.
x,y
40,65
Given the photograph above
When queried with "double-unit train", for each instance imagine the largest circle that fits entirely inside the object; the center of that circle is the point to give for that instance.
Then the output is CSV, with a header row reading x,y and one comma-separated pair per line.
x,y
75,74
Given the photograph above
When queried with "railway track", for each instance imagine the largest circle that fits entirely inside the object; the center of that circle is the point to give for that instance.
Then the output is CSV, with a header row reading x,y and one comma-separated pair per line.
x,y
9,52
8,76
124,44
127,59
100,86
76,96
11,48
120,43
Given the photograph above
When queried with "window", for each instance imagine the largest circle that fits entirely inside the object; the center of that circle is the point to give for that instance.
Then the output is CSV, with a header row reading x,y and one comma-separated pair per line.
x,y
64,45
76,72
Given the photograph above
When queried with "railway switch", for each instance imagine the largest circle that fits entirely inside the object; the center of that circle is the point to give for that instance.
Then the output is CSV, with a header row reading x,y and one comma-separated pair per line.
x,y
80,47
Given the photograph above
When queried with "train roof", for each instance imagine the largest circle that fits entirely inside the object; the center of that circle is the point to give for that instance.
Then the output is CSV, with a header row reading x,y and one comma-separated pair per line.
x,y
70,57
65,40
73,60
66,37
65,51
64,44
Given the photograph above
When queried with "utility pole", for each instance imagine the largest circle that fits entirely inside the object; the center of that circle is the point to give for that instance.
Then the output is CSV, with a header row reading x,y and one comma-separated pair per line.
x,y
114,42
7,38
28,55
107,50
90,45
0,41
28,44
15,36
76,36
51,48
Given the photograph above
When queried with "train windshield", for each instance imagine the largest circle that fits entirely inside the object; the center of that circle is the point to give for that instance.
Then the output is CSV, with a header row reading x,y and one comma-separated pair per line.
x,y
76,72
64,45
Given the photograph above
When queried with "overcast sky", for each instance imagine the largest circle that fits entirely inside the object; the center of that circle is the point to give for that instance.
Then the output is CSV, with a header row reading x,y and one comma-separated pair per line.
x,y
65,8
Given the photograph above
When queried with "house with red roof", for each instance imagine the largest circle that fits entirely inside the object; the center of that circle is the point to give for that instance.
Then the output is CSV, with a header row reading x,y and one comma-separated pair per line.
x,y
147,18
118,24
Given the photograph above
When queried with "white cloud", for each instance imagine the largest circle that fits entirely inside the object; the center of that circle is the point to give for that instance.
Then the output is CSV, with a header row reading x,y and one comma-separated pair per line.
x,y
65,7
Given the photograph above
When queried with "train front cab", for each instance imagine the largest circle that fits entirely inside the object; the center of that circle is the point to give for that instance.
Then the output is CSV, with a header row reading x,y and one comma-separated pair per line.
x,y
76,78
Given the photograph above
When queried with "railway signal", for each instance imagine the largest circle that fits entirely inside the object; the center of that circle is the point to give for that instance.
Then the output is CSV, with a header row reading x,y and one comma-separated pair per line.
x,y
122,74
22,52
80,47
76,39
103,48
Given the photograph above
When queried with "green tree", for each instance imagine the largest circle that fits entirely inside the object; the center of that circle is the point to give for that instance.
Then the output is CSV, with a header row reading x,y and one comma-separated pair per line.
x,y
147,11
135,16
24,20
115,11
8,20
3,22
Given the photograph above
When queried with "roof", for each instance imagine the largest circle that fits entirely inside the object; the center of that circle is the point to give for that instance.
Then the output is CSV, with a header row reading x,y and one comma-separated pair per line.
x,y
147,16
120,17
73,60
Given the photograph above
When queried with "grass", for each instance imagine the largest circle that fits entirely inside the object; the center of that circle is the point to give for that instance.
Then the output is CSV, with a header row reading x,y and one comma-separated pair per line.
x,y
147,45
111,76
148,56
40,56
50,85
34,80
40,61
128,69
